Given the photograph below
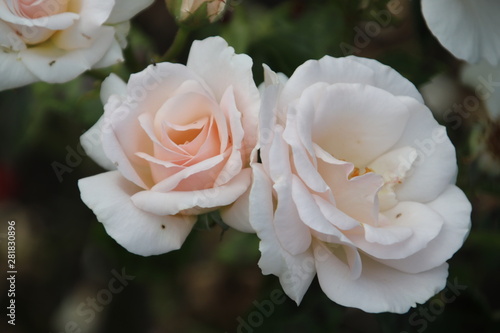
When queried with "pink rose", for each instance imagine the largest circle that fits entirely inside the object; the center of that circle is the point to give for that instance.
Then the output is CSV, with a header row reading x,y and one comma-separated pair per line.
x,y
180,138
356,185
57,40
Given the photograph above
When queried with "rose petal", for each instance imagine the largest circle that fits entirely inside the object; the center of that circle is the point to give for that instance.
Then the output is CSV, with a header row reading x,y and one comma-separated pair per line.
x,y
237,215
53,65
348,120
173,202
85,31
436,166
112,57
390,241
14,72
388,79
345,70
54,22
91,142
379,288
228,69
124,10
455,209
112,85
109,196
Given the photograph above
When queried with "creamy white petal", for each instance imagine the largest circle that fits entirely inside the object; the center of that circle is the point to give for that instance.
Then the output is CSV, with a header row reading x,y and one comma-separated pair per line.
x,y
14,72
261,219
108,195
388,79
379,288
353,122
85,31
53,65
455,209
295,272
392,240
124,10
328,70
435,167
112,57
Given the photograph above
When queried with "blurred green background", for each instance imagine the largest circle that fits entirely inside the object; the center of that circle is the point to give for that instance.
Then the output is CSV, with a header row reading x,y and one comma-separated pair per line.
x,y
213,284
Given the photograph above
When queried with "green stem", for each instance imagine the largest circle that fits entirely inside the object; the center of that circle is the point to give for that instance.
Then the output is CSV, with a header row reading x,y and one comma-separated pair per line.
x,y
177,46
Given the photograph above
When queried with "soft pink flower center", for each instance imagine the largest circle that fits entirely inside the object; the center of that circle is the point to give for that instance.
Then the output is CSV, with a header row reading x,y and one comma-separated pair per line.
x,y
37,8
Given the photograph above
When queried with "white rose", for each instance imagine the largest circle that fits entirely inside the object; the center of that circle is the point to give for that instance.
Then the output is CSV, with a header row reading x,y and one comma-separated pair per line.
x,y
466,28
356,184
57,40
180,138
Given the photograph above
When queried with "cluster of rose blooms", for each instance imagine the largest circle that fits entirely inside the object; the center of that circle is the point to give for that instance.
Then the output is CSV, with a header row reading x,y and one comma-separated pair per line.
x,y
340,169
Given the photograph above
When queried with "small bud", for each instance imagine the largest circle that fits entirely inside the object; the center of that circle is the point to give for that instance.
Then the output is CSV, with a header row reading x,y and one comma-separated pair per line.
x,y
195,13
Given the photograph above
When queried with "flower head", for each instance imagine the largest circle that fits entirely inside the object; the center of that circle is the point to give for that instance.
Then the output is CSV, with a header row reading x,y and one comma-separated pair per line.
x,y
356,185
180,139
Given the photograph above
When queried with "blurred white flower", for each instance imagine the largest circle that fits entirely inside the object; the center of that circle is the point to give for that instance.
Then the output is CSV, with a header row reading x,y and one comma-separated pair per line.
x,y
469,29
57,40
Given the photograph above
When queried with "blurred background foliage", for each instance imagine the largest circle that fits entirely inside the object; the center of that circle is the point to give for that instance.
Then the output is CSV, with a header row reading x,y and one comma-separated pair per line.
x,y
213,284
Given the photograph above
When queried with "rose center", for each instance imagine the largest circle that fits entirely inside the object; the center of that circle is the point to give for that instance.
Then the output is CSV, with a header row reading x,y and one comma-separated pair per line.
x,y
37,8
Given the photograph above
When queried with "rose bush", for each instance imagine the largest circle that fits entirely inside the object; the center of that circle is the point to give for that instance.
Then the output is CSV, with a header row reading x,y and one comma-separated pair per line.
x,y
57,40
180,138
466,28
356,185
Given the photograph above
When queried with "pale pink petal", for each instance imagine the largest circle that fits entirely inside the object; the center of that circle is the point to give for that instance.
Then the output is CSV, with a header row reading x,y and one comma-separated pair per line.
x,y
174,202
379,288
199,176
118,131
228,69
237,215
109,196
166,149
356,197
55,22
